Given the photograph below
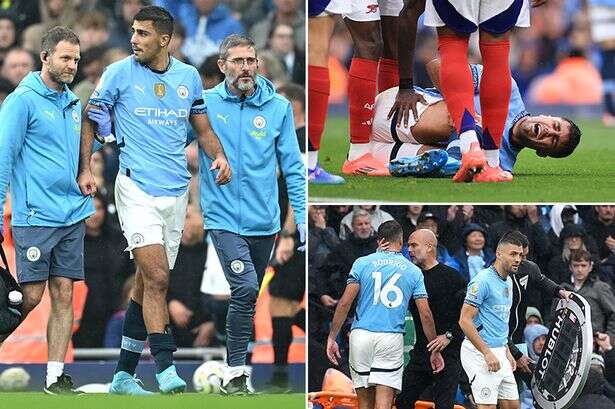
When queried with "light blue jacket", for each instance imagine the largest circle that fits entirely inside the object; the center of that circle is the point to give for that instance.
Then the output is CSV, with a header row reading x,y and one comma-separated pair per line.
x,y
39,155
256,134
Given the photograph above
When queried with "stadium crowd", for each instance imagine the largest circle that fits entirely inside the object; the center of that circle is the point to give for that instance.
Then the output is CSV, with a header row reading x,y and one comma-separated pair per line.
x,y
568,46
573,245
198,295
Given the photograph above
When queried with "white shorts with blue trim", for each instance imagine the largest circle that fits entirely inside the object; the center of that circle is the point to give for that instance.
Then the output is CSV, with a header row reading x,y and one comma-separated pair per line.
x,y
147,220
488,387
464,16
376,358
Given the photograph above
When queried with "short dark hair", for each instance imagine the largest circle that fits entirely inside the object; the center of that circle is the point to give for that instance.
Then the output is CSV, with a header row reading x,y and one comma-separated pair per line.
x,y
294,92
209,68
159,16
234,40
56,34
515,238
390,231
573,141
580,255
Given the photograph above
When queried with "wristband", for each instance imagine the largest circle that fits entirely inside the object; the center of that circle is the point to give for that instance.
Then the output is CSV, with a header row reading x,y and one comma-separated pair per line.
x,y
405,83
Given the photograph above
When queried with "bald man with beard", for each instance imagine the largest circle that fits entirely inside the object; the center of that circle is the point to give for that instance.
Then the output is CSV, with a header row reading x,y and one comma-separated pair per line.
x,y
446,291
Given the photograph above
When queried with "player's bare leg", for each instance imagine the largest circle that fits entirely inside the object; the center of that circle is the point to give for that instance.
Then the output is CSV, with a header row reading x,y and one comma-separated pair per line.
x,y
58,334
320,30
152,261
366,397
384,397
495,89
367,39
388,73
508,404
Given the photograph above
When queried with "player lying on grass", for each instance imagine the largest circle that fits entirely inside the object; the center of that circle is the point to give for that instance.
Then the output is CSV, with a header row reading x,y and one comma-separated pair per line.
x,y
416,146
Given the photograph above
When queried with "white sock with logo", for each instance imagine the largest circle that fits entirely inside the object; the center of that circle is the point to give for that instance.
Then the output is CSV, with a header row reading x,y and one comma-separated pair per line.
x,y
54,370
312,159
466,139
493,157
357,150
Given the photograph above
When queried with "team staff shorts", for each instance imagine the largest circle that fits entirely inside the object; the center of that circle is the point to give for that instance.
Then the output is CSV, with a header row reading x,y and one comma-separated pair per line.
x,y
376,358
42,252
488,387
147,219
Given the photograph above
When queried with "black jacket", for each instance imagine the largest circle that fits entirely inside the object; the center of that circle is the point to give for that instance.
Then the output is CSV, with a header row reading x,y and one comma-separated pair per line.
x,y
528,276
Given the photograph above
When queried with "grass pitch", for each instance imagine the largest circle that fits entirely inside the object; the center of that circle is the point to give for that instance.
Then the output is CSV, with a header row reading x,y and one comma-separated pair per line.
x,y
28,400
588,175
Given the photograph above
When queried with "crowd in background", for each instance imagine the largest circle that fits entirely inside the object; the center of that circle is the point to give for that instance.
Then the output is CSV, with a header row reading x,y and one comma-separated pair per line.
x,y
559,236
198,293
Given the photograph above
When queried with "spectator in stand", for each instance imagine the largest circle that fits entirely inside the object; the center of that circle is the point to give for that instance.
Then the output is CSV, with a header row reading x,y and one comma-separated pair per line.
x,y
284,12
559,216
91,66
207,23
598,294
474,256
8,34
332,275
602,228
410,219
335,215
525,219
377,217
122,23
572,237
210,72
93,30
457,217
293,59
16,65
322,239
52,13
113,331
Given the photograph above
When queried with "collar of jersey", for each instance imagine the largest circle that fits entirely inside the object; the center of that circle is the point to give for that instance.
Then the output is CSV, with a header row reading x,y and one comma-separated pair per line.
x,y
388,251
158,71
492,267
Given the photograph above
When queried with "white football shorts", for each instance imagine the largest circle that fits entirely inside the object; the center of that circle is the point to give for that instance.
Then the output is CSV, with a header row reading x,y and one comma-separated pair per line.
x,y
376,358
488,387
147,219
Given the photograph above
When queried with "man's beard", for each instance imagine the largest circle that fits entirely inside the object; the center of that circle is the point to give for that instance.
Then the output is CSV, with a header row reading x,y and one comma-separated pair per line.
x,y
243,86
60,77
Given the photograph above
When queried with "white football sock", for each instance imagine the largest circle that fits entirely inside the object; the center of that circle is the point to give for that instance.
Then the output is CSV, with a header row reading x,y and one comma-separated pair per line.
x,y
466,139
357,150
493,157
54,370
312,159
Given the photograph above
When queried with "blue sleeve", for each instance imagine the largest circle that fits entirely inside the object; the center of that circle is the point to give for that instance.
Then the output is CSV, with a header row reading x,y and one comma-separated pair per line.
x,y
107,90
419,287
355,273
477,292
14,117
516,102
477,73
198,100
291,163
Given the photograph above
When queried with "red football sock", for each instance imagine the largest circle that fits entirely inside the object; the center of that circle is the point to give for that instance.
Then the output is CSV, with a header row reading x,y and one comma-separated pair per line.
x,y
456,80
361,96
495,88
388,76
318,101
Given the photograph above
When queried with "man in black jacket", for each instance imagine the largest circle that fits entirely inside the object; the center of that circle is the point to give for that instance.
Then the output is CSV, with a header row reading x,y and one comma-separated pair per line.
x,y
446,291
528,276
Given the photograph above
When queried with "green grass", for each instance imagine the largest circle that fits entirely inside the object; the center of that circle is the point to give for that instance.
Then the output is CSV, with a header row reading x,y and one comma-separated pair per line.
x,y
27,400
588,175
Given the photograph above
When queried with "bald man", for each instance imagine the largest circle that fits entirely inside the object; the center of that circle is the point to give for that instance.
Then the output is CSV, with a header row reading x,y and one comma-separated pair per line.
x,y
446,292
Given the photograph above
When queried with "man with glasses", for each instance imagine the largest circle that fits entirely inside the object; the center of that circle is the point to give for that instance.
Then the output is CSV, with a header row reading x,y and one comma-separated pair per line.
x,y
256,128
